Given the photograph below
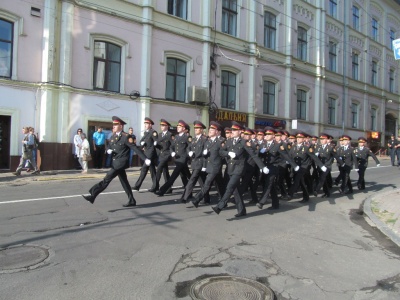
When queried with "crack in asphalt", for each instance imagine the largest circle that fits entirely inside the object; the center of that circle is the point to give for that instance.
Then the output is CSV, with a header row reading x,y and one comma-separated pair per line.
x,y
31,215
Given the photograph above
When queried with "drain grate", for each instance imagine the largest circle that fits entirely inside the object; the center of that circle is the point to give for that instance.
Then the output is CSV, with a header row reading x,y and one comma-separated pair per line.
x,y
22,257
228,288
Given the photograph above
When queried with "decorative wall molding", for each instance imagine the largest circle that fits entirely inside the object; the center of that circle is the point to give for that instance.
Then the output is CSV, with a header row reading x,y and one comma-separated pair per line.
x,y
375,51
334,28
303,11
376,10
356,41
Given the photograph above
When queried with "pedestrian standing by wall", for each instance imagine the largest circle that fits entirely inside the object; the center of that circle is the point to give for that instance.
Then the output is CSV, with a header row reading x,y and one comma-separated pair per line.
x,y
77,147
99,140
392,143
398,150
84,150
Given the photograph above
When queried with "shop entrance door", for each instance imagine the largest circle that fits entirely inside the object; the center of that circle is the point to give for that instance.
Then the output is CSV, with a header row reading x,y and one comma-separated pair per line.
x,y
5,124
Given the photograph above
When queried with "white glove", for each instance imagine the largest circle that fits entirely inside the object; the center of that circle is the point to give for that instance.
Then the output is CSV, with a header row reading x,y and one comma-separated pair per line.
x,y
147,162
203,169
297,168
142,143
173,154
205,152
356,170
155,143
263,150
190,153
316,154
232,154
109,151
378,165
265,170
323,168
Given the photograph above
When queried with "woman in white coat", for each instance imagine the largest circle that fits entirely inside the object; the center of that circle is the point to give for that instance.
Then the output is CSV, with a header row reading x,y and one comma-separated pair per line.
x,y
84,149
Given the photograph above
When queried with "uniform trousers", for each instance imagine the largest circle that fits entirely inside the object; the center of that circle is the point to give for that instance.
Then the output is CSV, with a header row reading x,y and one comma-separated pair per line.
x,y
323,181
299,181
231,188
111,174
248,183
345,175
270,186
197,175
180,167
162,169
143,172
361,174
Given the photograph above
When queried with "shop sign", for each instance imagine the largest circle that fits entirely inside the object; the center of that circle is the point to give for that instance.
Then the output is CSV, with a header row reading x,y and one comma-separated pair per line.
x,y
270,123
231,116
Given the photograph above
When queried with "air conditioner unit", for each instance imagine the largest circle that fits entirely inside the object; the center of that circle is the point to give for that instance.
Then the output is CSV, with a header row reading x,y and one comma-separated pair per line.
x,y
197,95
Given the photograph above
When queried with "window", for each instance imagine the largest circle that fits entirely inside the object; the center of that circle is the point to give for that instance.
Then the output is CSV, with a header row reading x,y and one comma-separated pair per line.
x,y
374,73
302,43
107,66
301,104
229,16
391,81
373,119
228,90
356,18
269,98
178,8
331,111
332,56
354,115
374,32
333,8
269,30
176,80
354,66
392,38
6,48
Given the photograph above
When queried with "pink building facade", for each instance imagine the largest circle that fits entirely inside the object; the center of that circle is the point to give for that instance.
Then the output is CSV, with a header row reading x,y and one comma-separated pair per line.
x,y
309,65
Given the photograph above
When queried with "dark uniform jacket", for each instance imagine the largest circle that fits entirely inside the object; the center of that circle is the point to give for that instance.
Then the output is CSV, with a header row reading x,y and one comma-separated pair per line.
x,y
303,155
196,146
147,142
179,146
347,156
212,160
236,165
327,155
121,145
163,145
274,155
362,156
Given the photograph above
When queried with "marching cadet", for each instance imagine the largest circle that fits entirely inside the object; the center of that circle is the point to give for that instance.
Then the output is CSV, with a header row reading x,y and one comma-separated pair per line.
x,y
148,142
120,145
302,155
326,154
195,151
272,155
362,153
346,153
228,132
212,163
179,152
250,169
236,151
163,151
284,166
260,136
339,177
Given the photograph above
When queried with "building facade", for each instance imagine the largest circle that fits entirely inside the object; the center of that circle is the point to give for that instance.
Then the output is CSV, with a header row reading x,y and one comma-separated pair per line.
x,y
309,65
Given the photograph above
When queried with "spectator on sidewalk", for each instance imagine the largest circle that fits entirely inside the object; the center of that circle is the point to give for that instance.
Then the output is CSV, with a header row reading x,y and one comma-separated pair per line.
x,y
398,150
392,143
84,150
27,146
77,148
99,147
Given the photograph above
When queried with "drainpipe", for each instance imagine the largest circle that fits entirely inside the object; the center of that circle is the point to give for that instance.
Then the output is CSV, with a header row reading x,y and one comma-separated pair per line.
x,y
345,69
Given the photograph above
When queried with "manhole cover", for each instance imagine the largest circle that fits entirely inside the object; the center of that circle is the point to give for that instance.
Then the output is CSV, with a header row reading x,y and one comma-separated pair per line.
x,y
22,257
228,288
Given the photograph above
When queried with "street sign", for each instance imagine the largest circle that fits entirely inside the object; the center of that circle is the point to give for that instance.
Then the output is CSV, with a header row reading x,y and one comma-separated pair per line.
x,y
396,48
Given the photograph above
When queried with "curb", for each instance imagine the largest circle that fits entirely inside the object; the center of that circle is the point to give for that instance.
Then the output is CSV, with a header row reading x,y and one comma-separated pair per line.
x,y
378,223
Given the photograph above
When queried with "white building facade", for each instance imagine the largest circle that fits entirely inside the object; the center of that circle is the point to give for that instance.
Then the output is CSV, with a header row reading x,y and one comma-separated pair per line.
x,y
311,65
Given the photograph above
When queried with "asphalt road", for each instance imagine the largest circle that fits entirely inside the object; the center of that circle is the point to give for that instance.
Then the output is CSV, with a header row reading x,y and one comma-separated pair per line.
x,y
321,250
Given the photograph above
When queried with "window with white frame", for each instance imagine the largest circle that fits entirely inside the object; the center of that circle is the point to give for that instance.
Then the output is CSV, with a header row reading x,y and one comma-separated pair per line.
x,y
354,66
356,18
269,98
333,8
391,81
178,8
270,30
374,29
332,56
176,80
354,115
374,73
228,90
331,111
301,104
391,38
373,119
6,48
302,43
106,66
229,16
